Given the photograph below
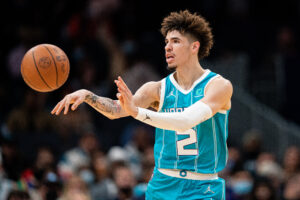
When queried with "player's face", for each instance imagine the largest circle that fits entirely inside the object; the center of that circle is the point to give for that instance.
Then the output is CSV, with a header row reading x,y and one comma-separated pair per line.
x,y
177,49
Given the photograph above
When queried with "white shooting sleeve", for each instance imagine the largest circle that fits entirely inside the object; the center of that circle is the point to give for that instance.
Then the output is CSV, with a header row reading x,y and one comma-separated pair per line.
x,y
176,121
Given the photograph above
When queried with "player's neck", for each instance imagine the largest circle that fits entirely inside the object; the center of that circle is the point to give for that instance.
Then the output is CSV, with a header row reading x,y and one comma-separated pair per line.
x,y
187,75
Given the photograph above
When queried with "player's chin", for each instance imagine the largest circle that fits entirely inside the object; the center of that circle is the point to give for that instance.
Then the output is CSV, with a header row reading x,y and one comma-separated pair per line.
x,y
171,67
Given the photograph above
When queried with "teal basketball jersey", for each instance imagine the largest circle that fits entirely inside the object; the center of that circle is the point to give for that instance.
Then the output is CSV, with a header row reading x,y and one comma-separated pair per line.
x,y
203,148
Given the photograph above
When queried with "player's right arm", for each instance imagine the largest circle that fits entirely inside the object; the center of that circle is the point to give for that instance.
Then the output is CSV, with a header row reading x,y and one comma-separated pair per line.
x,y
146,96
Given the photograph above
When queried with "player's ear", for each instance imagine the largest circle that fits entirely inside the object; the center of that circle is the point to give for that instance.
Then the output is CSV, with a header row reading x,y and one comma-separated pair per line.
x,y
195,46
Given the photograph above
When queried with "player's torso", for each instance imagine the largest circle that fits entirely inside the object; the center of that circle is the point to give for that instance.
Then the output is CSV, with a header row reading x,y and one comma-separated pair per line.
x,y
202,148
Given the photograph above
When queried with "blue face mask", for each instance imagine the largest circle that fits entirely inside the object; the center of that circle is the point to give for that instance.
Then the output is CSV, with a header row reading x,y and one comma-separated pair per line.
x,y
87,176
242,187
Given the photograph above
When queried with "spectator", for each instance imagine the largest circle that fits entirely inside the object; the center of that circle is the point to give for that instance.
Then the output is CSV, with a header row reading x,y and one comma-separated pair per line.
x,y
267,167
80,156
12,161
263,190
291,162
104,187
125,182
5,184
241,183
251,148
234,162
18,195
75,189
135,148
292,189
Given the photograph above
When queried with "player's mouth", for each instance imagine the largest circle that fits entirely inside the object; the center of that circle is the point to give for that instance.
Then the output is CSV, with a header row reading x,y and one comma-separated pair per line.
x,y
170,58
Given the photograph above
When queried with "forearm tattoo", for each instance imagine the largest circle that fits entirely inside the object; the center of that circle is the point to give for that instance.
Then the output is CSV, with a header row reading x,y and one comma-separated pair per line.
x,y
103,104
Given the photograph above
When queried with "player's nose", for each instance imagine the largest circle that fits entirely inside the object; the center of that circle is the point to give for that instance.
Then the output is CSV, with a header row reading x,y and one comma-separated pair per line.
x,y
168,47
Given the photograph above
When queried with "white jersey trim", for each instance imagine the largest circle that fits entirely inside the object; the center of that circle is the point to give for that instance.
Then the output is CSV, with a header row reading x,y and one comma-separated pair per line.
x,y
215,144
162,94
178,87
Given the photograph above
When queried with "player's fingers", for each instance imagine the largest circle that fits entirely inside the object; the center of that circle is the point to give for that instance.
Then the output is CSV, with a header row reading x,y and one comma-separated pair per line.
x,y
116,82
121,86
76,104
124,84
124,95
119,96
67,104
124,90
60,106
55,108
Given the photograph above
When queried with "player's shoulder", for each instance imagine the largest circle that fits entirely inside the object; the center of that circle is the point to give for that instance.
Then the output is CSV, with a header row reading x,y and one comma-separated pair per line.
x,y
220,80
221,83
152,84
151,88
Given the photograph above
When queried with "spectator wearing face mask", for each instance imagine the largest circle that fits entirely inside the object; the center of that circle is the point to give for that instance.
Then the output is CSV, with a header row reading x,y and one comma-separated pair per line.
x,y
241,184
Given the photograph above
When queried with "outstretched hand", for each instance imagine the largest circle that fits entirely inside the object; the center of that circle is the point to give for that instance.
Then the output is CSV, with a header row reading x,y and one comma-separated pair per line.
x,y
126,98
75,98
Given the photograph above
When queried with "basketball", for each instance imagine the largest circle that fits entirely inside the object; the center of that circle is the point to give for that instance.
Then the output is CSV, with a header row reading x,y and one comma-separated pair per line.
x,y
45,67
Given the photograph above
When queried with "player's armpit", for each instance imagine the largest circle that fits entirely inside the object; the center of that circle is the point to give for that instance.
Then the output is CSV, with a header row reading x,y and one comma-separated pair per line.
x,y
218,95
148,95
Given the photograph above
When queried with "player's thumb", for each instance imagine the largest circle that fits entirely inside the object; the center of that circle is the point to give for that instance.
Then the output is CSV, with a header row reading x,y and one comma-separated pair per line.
x,y
120,97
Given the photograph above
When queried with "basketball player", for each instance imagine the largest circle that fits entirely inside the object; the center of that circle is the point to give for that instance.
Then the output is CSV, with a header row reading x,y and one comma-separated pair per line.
x,y
192,106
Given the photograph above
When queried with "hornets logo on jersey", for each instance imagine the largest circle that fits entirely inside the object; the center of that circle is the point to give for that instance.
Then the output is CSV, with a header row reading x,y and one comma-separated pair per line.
x,y
202,148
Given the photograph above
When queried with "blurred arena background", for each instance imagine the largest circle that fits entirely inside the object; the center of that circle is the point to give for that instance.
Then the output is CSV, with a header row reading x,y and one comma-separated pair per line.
x,y
84,156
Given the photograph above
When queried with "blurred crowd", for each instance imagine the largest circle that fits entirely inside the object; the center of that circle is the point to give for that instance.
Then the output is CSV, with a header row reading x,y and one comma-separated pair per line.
x,y
87,172
83,155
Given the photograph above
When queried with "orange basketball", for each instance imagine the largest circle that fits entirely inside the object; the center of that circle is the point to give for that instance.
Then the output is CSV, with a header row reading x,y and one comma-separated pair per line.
x,y
45,67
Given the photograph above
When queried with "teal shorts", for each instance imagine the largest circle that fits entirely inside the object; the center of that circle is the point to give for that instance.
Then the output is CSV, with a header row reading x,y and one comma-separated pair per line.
x,y
164,187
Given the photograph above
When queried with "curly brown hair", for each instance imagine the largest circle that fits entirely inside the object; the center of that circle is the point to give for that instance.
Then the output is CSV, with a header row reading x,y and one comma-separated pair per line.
x,y
193,24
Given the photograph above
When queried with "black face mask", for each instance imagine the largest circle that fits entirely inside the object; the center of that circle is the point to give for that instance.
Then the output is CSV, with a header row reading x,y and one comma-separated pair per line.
x,y
126,191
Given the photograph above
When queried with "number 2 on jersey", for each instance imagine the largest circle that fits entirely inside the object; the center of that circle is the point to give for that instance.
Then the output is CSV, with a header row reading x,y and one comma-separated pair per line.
x,y
181,151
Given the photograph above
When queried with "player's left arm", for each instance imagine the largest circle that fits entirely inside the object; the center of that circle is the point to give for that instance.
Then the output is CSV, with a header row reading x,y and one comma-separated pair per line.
x,y
217,97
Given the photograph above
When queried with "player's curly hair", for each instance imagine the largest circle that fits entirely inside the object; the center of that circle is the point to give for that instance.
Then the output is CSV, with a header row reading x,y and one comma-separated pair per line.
x,y
193,24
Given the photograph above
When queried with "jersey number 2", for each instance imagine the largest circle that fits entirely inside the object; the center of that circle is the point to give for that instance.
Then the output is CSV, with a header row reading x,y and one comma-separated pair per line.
x,y
181,151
